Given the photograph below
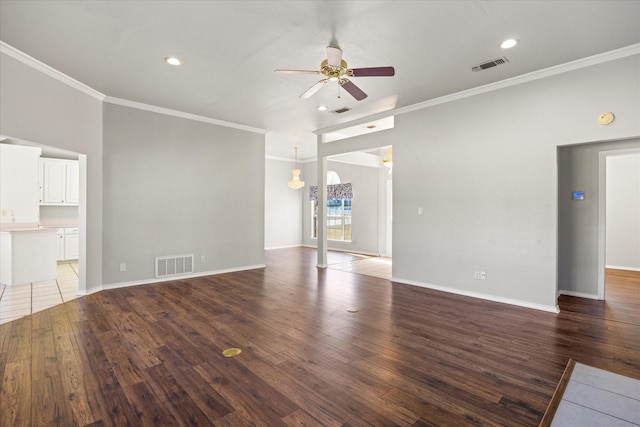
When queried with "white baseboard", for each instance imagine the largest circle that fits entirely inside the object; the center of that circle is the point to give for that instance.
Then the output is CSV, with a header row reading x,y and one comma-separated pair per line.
x,y
577,294
519,303
618,267
283,247
168,279
344,250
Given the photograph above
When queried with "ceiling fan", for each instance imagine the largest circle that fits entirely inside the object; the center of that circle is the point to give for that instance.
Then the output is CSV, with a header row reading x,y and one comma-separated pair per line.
x,y
334,68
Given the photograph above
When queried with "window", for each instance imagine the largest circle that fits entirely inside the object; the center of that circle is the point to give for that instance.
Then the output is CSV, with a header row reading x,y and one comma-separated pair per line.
x,y
338,213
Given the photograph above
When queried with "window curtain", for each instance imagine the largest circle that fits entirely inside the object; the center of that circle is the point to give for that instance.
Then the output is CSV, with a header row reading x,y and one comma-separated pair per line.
x,y
334,192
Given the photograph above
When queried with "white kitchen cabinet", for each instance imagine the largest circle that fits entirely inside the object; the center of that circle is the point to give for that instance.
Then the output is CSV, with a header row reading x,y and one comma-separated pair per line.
x,y
27,256
60,240
19,184
72,184
59,182
68,241
71,243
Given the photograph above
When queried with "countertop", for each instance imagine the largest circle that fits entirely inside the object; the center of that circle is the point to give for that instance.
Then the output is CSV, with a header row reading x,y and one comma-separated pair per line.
x,y
22,228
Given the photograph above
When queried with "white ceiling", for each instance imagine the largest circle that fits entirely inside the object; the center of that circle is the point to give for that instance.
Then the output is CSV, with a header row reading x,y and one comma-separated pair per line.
x,y
231,48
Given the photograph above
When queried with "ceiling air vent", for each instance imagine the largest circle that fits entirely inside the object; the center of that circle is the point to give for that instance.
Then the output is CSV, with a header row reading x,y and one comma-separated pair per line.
x,y
490,64
341,110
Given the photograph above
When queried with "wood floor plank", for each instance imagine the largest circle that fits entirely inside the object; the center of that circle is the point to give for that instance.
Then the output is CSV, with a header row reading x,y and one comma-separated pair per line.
x,y
152,354
47,409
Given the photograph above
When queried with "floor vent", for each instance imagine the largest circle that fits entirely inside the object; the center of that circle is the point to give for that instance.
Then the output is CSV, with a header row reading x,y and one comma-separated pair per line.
x,y
174,265
490,64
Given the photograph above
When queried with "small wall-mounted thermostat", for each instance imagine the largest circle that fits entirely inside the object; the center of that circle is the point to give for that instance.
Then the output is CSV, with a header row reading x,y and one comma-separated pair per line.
x,y
578,195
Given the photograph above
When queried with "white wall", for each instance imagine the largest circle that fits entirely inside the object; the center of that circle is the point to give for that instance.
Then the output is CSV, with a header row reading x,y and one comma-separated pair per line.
x,y
623,212
175,186
484,170
283,206
36,107
365,206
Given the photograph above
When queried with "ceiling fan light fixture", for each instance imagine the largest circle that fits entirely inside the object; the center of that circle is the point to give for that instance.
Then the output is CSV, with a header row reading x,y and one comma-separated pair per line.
x,y
322,108
172,60
509,43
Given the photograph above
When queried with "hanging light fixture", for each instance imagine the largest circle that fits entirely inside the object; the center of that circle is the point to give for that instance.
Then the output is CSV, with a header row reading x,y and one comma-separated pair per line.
x,y
295,182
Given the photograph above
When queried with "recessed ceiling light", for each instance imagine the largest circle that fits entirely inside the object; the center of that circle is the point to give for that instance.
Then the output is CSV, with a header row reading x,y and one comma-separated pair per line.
x,y
172,60
322,108
509,43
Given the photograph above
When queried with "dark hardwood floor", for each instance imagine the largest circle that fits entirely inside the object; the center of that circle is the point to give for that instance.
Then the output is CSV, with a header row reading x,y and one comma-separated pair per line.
x,y
152,354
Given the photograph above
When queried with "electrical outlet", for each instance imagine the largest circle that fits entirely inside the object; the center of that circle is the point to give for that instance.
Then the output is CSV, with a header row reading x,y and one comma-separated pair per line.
x,y
202,258
123,267
480,275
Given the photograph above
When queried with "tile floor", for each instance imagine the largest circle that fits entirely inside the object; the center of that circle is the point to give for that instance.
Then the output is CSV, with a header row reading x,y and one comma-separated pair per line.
x,y
369,266
21,300
594,397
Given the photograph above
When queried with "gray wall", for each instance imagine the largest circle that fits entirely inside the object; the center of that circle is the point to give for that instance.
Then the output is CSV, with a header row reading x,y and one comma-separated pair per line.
x,y
484,170
283,206
578,221
365,208
623,211
35,107
174,186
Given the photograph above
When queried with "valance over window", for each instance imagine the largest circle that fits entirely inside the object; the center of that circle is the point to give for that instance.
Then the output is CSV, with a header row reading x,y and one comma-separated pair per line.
x,y
334,192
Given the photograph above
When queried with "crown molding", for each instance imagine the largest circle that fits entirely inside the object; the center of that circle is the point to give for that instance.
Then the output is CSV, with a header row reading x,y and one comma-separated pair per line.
x,y
283,159
291,160
181,114
49,71
589,61
58,75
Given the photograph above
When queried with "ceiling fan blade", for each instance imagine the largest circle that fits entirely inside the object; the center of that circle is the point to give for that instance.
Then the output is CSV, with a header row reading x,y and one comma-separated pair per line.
x,y
334,56
371,72
353,90
313,89
296,72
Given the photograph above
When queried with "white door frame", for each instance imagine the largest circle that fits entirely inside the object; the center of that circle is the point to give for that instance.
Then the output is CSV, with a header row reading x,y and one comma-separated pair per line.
x,y
602,213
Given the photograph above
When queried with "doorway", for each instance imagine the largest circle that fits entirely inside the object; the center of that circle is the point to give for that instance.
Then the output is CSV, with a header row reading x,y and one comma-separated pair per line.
x,y
69,220
620,234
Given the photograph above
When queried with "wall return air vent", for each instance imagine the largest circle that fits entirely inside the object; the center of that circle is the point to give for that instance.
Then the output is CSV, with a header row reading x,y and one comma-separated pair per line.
x,y
490,64
174,265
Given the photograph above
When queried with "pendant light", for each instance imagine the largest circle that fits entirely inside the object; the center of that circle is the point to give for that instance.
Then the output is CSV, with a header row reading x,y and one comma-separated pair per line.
x,y
295,182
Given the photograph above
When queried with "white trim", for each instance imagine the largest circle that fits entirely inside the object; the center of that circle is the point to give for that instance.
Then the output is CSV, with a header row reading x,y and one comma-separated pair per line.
x,y
48,70
181,114
177,277
356,252
602,211
589,61
283,159
58,75
619,267
519,303
291,160
283,247
579,294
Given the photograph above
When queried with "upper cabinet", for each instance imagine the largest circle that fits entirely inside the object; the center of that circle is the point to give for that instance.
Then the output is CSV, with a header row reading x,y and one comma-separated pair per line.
x,y
19,184
59,182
